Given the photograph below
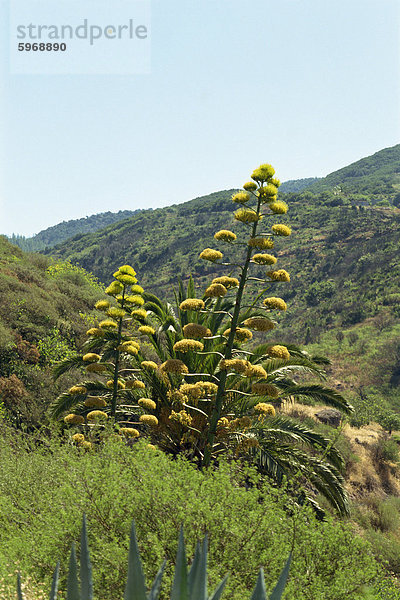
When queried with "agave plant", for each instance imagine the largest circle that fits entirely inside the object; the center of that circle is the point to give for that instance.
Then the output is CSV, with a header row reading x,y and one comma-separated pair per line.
x,y
280,446
187,584
205,389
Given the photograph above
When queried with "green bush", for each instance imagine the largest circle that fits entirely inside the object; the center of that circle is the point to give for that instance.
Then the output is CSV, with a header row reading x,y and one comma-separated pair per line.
x,y
249,523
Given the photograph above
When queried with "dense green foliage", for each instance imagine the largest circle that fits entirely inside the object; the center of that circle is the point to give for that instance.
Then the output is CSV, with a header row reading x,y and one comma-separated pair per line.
x,y
250,525
44,311
67,229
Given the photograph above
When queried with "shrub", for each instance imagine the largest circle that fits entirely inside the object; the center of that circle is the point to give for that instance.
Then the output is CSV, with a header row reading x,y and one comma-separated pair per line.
x,y
249,525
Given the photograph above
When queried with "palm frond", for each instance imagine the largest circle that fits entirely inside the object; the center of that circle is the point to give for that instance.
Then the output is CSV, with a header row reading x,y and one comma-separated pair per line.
x,y
320,394
66,365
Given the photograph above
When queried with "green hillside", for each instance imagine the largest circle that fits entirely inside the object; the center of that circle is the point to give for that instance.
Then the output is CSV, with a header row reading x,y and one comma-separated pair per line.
x,y
375,175
45,310
62,231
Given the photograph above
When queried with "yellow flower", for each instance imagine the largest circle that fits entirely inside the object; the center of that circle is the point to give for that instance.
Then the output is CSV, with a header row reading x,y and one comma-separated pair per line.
x,y
95,402
268,191
96,368
265,409
137,300
187,345
278,352
181,417
140,314
129,432
135,384
241,197
125,279
136,289
147,403
278,207
261,243
241,334
259,324
225,235
149,420
250,186
222,423
215,290
116,313
73,419
114,288
128,270
245,215
193,330
280,229
77,389
191,389
192,304
228,282
263,173
147,330
275,182
279,275
120,384
96,415
264,259
265,389
91,357
233,364
277,303
256,371
107,324
128,344
95,332
78,438
211,255
131,349
149,365
207,388
85,445
102,305
174,365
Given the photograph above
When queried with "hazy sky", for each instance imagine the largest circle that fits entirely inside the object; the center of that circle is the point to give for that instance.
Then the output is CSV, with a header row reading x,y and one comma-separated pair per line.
x,y
307,85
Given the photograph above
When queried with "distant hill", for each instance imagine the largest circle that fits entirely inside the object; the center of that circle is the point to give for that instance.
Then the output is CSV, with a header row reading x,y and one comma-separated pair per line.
x,y
378,174
59,233
297,185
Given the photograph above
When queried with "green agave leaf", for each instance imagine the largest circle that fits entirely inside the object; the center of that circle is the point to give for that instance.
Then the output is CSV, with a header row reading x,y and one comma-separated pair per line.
x,y
19,587
280,586
218,592
180,585
72,581
155,588
198,584
194,569
86,567
259,592
54,583
135,585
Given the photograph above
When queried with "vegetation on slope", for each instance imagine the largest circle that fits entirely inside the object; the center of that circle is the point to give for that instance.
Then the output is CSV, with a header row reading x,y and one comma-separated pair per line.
x,y
44,310
250,525
62,231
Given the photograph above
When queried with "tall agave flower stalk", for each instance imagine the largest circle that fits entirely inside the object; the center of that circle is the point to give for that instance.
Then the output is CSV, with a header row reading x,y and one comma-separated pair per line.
x,y
115,391
258,200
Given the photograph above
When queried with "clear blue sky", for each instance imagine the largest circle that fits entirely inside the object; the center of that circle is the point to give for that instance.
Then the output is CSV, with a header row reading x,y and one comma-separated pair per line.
x,y
307,85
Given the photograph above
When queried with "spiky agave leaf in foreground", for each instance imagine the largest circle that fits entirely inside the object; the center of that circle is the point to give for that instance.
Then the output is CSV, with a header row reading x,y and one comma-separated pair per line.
x,y
186,585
